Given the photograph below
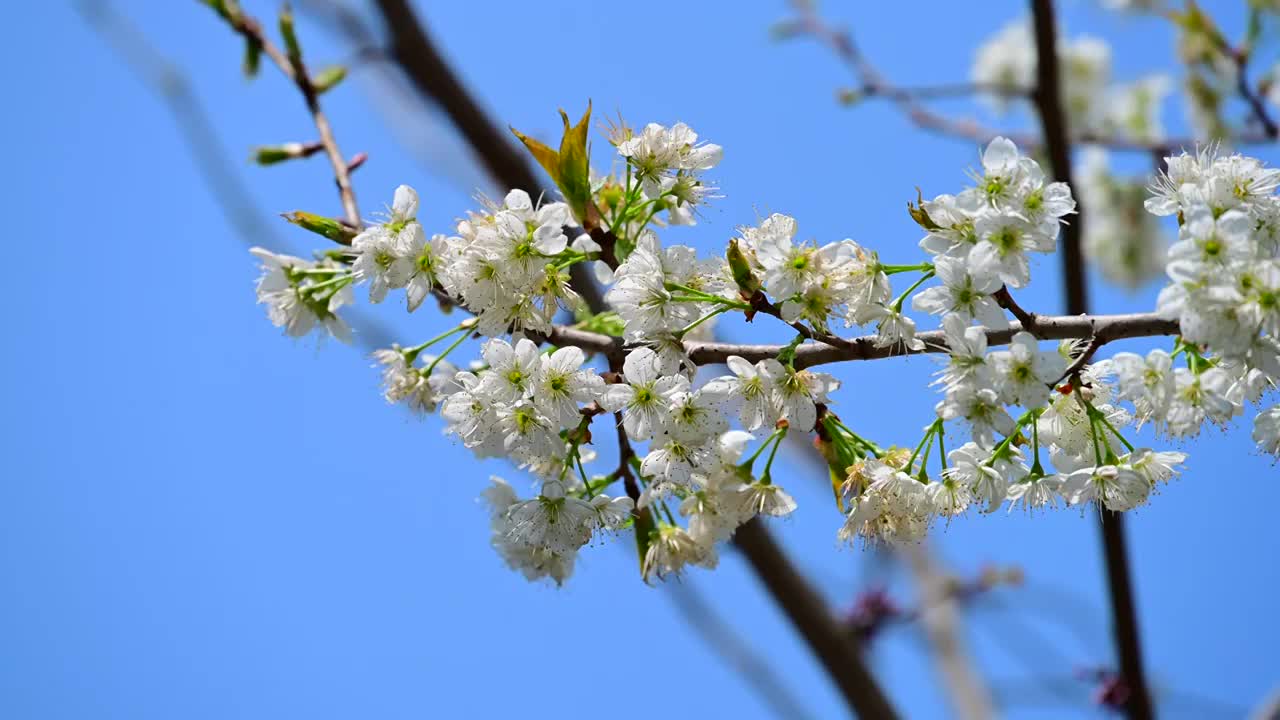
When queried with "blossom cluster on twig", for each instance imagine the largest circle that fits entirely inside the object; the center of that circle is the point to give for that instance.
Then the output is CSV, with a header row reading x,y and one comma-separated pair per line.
x,y
695,460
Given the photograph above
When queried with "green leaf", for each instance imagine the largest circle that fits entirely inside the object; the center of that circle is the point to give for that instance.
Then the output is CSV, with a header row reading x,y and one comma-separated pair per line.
x,y
575,165
569,167
549,159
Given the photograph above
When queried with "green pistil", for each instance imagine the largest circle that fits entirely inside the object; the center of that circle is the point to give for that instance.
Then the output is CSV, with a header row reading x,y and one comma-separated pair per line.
x,y
1035,201
525,420
1006,240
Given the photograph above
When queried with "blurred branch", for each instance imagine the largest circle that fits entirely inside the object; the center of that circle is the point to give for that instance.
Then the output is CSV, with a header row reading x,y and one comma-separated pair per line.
x,y
1269,709
940,617
938,608
1053,118
190,117
840,41
1053,121
945,90
727,643
838,654
200,138
1257,105
412,49
874,84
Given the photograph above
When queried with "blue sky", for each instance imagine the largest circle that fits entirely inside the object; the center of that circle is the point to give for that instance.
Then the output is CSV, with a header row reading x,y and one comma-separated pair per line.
x,y
200,518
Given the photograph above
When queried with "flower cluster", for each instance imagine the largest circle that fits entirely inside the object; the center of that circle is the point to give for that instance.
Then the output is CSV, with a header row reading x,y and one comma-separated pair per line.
x,y
301,295
1224,290
1032,423
1122,240
1005,67
506,263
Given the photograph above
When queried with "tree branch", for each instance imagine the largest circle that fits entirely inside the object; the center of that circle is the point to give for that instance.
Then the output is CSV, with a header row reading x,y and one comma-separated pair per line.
x,y
1046,327
427,70
202,141
1054,121
293,69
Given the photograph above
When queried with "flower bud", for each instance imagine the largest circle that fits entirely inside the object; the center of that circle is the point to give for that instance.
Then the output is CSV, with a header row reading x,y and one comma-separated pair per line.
x,y
328,78
746,280
272,154
321,225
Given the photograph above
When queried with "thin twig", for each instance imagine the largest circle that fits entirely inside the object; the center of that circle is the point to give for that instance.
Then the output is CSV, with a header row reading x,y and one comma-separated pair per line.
x,y
940,617
840,41
1082,359
202,141
1006,301
947,90
293,69
908,100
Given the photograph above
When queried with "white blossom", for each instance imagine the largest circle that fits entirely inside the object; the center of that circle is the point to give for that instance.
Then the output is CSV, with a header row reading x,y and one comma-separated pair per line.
x,y
1266,430
645,399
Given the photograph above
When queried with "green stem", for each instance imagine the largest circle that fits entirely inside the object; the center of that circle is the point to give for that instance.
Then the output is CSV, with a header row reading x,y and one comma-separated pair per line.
x,y
752,460
411,353
895,269
682,331
453,346
1004,444
874,450
1036,467
942,449
1093,425
897,304
667,511
928,433
339,282
923,475
1128,445
696,295
765,477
